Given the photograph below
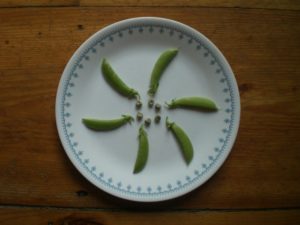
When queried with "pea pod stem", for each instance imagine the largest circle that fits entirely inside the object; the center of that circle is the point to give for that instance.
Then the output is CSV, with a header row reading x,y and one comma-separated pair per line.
x,y
159,67
199,103
183,141
143,150
115,81
106,125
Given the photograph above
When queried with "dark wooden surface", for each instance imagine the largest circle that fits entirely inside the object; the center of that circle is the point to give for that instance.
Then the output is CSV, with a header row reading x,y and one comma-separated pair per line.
x,y
258,184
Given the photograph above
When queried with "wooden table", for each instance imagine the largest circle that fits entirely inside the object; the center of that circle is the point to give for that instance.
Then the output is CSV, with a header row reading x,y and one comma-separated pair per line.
x,y
258,184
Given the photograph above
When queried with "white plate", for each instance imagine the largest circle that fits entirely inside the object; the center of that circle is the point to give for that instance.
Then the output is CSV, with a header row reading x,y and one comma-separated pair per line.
x,y
132,46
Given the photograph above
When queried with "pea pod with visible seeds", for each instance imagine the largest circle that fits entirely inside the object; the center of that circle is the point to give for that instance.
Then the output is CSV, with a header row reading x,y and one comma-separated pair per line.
x,y
115,82
200,103
142,155
183,141
161,64
105,125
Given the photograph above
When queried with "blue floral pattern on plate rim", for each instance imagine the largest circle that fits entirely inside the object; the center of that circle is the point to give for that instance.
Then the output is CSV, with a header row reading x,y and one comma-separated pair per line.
x,y
231,121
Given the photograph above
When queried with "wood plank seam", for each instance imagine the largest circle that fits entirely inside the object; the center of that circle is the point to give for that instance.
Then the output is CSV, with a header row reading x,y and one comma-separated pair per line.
x,y
158,209
297,8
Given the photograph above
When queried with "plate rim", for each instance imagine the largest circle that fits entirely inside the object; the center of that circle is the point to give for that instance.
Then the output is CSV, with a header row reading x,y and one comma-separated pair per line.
x,y
160,196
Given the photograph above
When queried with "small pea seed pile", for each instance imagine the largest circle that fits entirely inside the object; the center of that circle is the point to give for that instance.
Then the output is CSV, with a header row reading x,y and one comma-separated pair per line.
x,y
119,86
147,121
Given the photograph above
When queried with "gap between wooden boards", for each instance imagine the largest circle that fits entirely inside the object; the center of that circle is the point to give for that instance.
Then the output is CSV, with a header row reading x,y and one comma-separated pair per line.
x,y
256,4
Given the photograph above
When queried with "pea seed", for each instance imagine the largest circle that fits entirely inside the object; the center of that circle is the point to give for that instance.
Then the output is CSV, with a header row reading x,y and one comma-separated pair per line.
x,y
157,107
138,104
148,122
139,116
157,119
150,103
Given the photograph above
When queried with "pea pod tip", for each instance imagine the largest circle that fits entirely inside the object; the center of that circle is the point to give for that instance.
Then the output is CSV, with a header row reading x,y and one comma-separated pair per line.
x,y
137,95
104,60
128,118
169,105
168,123
141,129
174,49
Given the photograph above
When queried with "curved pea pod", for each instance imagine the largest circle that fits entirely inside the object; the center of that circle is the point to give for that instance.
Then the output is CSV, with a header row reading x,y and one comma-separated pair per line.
x,y
115,82
161,64
142,155
183,141
106,125
199,103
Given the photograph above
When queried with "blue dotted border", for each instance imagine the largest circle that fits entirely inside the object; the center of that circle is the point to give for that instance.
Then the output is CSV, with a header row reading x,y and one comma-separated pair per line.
x,y
128,189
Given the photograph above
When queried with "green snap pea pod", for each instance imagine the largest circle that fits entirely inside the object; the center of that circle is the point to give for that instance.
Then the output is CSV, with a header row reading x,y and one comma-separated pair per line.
x,y
143,150
115,82
193,102
183,141
105,125
161,64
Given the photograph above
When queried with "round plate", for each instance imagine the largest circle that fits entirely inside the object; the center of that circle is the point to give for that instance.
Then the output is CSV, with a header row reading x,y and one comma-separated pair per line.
x,y
132,47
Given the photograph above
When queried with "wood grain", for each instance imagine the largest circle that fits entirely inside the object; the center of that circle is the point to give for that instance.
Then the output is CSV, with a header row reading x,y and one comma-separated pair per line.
x,y
262,46
38,216
34,3
264,4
